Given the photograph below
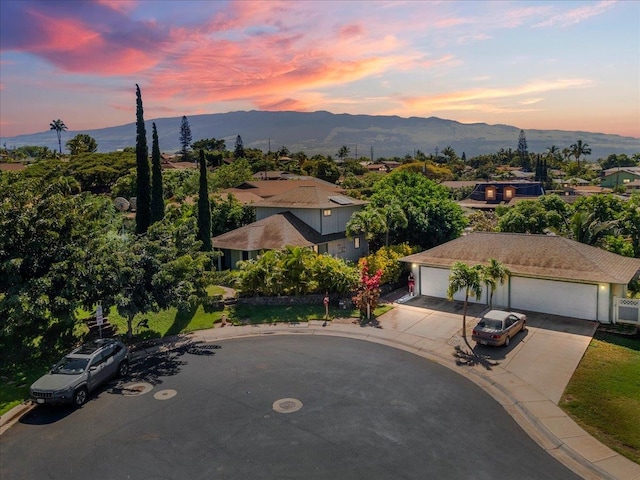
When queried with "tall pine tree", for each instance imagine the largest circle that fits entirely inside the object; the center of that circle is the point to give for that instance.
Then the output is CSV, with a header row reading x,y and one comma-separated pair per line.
x,y
185,138
204,207
523,152
157,194
143,205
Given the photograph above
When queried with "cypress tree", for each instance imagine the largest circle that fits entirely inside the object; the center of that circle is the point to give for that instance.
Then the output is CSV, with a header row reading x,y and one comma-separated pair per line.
x,y
157,195
143,205
204,207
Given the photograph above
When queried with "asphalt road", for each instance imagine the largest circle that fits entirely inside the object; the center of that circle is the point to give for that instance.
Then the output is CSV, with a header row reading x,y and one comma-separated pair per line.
x,y
352,410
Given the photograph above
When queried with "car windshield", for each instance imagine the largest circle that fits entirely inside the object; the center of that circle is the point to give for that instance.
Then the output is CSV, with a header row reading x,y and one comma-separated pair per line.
x,y
71,365
490,324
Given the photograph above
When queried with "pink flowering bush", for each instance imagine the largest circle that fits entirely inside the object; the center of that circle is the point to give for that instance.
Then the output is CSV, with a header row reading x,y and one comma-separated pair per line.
x,y
368,295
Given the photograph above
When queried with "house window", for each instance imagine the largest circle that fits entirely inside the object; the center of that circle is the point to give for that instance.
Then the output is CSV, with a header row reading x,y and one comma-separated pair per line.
x,y
509,193
315,248
326,212
490,193
356,242
626,180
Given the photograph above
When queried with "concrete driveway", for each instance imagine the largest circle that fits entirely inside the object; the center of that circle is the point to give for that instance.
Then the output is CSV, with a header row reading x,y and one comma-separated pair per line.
x,y
544,356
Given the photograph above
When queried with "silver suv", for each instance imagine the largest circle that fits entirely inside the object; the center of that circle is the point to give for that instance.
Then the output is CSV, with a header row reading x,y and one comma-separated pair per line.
x,y
82,371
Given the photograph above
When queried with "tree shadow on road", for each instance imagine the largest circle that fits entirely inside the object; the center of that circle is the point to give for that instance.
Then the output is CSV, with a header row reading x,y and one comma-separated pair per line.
x,y
472,358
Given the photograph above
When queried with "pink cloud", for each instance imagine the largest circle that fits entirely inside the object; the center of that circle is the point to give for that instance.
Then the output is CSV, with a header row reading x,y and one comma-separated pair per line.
x,y
73,46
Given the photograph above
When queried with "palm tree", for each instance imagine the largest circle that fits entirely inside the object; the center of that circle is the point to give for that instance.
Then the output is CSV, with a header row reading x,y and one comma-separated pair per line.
x,y
59,126
579,149
553,153
464,277
492,274
585,228
370,222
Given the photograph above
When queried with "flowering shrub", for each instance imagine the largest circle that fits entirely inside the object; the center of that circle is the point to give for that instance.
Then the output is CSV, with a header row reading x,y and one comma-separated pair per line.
x,y
366,299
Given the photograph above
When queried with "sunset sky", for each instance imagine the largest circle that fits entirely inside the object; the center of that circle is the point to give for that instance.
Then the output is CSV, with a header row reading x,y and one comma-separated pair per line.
x,y
567,65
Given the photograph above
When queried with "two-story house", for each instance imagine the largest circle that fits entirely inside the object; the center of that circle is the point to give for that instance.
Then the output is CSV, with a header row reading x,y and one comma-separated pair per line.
x,y
307,216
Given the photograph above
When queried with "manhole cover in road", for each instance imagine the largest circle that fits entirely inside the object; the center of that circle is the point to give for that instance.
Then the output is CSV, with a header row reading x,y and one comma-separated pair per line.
x,y
287,405
135,389
165,394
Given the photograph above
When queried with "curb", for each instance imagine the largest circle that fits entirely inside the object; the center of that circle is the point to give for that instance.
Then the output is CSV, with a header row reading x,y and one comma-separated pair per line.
x,y
517,409
12,416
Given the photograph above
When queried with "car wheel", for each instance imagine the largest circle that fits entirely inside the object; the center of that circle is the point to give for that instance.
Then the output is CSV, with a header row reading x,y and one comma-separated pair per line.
x,y
123,369
507,341
80,396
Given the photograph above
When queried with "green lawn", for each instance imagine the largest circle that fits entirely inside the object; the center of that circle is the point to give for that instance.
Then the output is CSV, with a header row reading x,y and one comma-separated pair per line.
x,y
603,395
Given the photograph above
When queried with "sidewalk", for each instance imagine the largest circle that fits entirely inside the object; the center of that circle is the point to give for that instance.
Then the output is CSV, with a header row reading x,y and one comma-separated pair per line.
x,y
528,392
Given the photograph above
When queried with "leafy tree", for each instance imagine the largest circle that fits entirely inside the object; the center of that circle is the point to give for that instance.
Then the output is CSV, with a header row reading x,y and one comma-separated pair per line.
x,y
617,160
210,144
232,175
185,137
59,126
432,217
328,171
82,143
482,221
469,279
228,214
493,274
159,270
50,259
157,194
386,259
143,190
535,216
204,208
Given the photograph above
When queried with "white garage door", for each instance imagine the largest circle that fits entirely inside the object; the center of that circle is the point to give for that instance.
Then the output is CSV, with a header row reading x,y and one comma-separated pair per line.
x,y
434,282
560,298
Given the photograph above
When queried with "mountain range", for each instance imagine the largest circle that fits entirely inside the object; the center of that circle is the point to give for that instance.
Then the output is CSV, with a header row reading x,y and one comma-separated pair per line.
x,y
324,133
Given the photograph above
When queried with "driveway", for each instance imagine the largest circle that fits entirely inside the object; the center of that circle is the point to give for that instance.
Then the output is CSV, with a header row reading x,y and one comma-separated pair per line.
x,y
544,356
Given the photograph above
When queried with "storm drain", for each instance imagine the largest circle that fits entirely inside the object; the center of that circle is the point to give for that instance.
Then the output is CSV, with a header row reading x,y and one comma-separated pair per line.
x,y
165,394
287,405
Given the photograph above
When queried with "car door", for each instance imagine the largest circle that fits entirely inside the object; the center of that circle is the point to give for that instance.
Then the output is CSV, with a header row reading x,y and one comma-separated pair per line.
x,y
511,325
111,360
97,371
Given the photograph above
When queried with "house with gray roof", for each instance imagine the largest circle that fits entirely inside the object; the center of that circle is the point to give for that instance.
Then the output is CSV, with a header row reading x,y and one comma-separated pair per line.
x,y
549,274
307,216
614,177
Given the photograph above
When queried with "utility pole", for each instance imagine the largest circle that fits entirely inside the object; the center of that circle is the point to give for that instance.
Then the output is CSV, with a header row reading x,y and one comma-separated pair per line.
x,y
371,154
356,152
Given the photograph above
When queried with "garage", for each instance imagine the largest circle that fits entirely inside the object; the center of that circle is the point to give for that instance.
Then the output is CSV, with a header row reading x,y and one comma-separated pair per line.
x,y
434,282
548,273
558,298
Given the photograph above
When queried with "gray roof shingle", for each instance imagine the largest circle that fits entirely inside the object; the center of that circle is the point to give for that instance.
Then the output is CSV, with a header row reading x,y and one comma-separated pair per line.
x,y
542,256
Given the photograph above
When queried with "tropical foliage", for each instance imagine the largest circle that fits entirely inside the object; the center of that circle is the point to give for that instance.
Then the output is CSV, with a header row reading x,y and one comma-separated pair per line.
x,y
368,295
469,279
295,271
